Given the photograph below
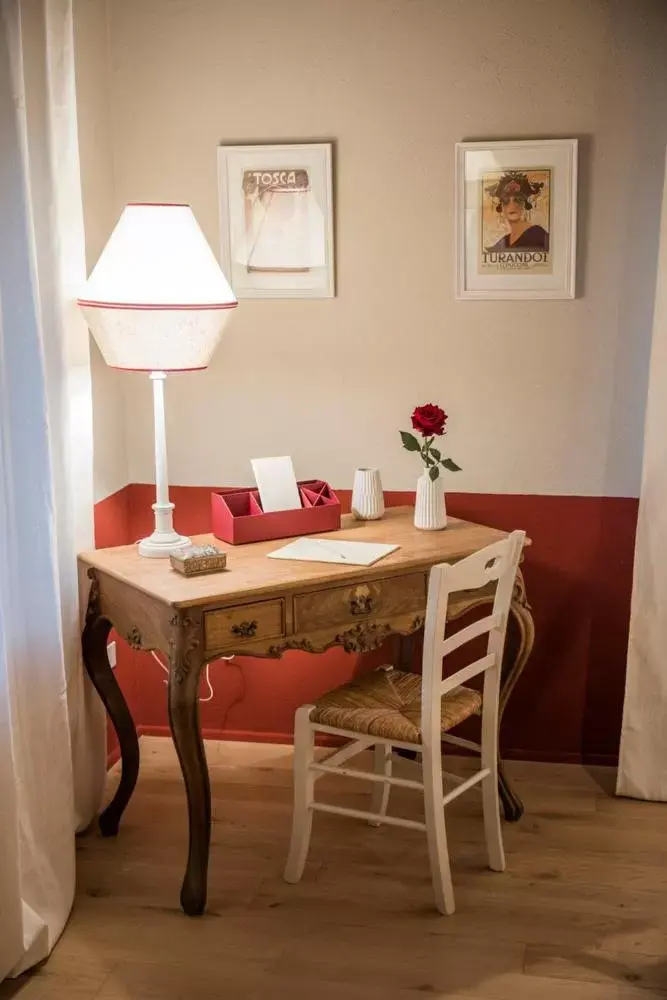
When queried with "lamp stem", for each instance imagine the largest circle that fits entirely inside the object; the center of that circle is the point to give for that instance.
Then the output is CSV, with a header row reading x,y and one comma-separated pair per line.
x,y
164,539
163,509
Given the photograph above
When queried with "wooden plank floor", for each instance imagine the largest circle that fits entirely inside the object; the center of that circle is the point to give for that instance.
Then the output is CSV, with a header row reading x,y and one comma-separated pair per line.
x,y
580,914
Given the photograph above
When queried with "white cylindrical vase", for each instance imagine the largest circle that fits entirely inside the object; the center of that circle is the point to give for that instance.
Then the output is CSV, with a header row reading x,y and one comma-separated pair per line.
x,y
430,513
367,495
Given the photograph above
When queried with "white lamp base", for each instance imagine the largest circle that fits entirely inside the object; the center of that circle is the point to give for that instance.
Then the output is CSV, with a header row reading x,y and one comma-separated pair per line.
x,y
161,544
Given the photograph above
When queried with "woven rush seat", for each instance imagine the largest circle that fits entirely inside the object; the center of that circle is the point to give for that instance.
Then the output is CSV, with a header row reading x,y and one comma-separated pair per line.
x,y
387,703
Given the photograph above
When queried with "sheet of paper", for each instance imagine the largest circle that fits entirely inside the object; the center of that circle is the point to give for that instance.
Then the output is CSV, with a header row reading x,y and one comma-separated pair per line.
x,y
276,483
331,550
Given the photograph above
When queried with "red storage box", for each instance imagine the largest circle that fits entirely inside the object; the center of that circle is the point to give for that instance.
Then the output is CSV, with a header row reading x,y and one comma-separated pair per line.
x,y
237,516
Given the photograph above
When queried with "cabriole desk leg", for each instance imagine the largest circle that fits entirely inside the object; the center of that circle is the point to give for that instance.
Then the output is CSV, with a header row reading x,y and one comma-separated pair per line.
x,y
96,661
518,647
184,675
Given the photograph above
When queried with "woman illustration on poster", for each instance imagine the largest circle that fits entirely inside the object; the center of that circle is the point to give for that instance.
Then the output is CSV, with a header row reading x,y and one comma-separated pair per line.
x,y
513,194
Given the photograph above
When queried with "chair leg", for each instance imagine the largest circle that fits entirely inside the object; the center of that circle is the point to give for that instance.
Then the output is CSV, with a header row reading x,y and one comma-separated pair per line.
x,y
490,796
304,781
436,833
381,789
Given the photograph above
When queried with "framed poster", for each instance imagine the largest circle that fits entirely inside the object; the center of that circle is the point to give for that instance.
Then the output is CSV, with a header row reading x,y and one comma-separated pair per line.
x,y
276,220
516,219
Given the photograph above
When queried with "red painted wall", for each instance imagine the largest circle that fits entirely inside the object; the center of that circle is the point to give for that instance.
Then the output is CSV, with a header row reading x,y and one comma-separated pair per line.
x,y
567,705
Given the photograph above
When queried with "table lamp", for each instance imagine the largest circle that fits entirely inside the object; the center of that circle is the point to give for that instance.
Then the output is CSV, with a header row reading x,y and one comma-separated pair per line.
x,y
157,302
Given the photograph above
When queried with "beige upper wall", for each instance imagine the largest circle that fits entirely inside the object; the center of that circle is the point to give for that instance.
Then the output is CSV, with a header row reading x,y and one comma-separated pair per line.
x,y
543,396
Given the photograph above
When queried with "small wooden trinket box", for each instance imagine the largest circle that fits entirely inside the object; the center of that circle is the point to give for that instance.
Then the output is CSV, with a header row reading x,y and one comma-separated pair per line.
x,y
199,559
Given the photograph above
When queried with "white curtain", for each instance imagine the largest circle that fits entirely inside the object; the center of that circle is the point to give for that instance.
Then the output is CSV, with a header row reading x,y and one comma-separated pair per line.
x,y
51,727
643,759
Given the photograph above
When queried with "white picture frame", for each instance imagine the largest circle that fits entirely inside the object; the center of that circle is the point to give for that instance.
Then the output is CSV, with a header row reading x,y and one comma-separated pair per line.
x,y
505,250
276,220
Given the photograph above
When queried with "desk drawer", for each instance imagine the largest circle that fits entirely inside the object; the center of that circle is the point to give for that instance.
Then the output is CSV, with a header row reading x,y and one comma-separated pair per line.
x,y
353,603
247,623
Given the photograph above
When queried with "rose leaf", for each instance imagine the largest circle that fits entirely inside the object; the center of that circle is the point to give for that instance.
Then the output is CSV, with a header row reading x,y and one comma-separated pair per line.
x,y
410,441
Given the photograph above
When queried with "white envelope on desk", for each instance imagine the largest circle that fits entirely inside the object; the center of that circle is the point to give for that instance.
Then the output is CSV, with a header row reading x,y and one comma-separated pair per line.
x,y
331,550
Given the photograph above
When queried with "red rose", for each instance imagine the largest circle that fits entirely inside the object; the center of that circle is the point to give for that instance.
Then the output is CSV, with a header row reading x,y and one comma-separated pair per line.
x,y
429,419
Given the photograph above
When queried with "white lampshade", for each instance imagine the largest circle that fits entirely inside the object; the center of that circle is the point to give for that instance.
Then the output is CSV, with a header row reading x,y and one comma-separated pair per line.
x,y
157,299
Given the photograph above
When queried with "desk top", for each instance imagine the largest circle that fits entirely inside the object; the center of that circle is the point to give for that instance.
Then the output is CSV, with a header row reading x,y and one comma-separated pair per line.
x,y
249,573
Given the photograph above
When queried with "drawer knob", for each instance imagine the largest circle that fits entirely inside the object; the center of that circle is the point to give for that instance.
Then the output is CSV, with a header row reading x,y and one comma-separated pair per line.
x,y
245,629
361,602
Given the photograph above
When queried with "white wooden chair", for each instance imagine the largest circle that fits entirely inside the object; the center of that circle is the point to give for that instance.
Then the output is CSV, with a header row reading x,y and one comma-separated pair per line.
x,y
389,708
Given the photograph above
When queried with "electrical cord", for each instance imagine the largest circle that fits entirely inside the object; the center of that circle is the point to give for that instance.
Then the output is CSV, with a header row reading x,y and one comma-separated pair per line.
x,y
207,675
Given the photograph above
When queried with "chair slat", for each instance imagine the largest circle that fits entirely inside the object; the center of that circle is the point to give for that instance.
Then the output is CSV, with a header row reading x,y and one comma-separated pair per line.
x,y
465,673
458,741
474,780
471,632
350,749
352,772
325,807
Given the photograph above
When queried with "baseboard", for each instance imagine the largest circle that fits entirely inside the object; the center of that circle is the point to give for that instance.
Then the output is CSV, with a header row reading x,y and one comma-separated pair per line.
x,y
221,735
555,757
240,736
226,735
600,759
249,736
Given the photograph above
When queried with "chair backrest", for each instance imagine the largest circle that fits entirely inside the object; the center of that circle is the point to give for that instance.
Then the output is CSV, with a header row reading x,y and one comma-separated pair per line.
x,y
497,564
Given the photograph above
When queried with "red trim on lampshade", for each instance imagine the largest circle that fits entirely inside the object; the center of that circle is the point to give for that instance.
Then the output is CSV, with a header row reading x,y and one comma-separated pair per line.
x,y
121,368
144,305
161,204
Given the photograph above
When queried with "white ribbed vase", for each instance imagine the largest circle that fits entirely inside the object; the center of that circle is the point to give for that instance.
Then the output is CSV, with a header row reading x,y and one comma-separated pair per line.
x,y
430,513
367,495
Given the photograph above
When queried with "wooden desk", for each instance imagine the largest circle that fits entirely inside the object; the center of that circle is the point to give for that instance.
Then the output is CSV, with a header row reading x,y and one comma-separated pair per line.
x,y
262,607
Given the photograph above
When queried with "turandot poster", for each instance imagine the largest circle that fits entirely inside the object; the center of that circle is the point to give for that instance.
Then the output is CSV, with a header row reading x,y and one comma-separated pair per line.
x,y
515,222
516,208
